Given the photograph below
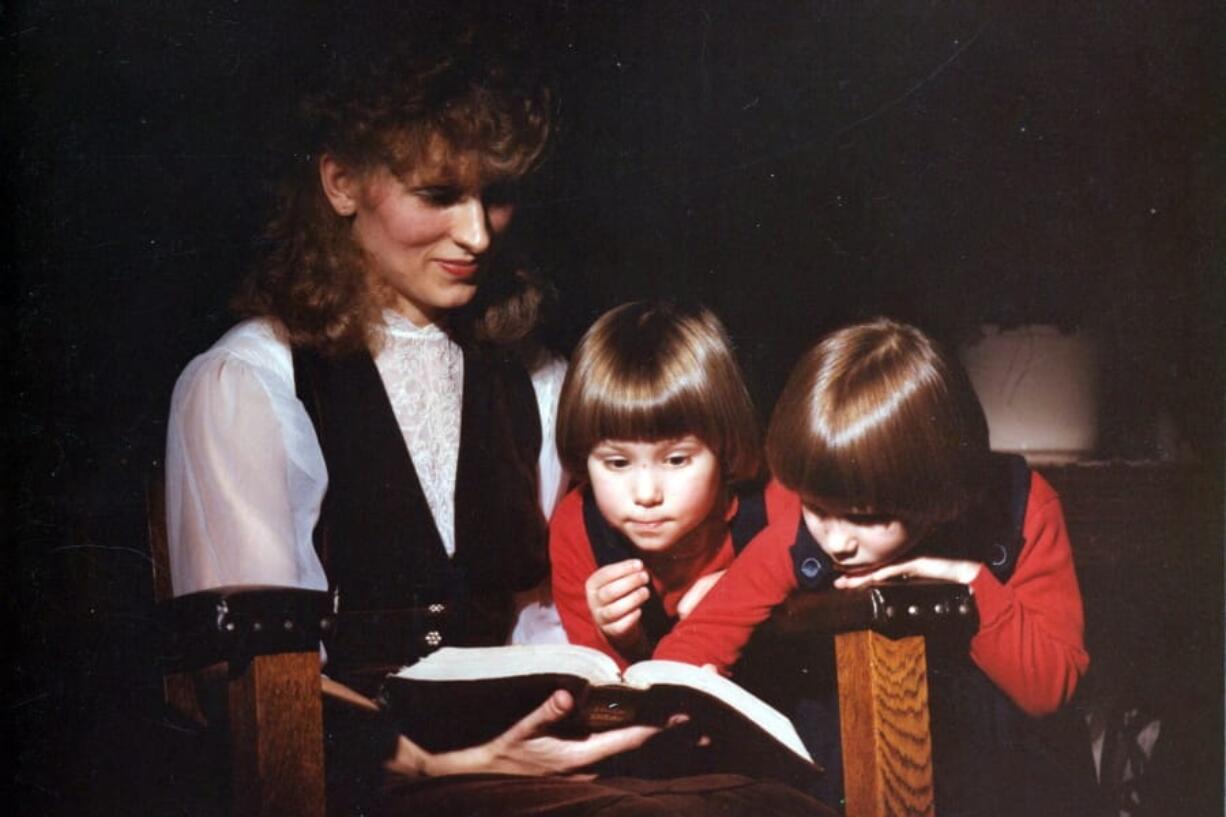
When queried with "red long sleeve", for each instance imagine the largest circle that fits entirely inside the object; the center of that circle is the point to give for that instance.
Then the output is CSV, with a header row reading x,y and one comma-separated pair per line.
x,y
1030,639
759,579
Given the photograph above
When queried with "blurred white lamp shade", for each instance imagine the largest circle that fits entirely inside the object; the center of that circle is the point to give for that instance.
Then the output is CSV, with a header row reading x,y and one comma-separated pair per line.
x,y
1039,389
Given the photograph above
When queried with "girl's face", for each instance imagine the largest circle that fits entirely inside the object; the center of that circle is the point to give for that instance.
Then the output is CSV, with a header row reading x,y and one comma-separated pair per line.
x,y
857,542
655,493
425,236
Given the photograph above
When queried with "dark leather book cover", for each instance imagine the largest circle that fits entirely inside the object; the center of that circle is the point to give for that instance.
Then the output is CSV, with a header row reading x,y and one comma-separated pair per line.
x,y
728,728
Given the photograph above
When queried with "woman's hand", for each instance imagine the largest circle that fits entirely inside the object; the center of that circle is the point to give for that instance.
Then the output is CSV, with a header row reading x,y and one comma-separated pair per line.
x,y
924,567
697,592
526,748
615,596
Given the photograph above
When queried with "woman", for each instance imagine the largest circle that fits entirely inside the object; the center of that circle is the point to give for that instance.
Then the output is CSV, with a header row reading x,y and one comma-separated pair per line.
x,y
369,429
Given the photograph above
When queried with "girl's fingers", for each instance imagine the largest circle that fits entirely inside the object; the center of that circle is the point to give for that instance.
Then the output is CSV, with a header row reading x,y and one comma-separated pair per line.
x,y
923,567
615,571
621,587
618,627
881,574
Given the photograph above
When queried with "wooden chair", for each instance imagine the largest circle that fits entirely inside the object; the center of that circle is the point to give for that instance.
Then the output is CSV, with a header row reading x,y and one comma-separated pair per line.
x,y
261,645
264,642
880,651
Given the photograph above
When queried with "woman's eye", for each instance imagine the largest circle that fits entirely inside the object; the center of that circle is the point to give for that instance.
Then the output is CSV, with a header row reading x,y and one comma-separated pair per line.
x,y
500,194
616,463
678,459
439,195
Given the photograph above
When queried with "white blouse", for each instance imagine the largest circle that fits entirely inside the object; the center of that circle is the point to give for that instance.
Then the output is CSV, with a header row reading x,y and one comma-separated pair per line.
x,y
245,476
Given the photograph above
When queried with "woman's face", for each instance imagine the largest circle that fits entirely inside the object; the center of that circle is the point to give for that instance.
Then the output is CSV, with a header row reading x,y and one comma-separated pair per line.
x,y
425,236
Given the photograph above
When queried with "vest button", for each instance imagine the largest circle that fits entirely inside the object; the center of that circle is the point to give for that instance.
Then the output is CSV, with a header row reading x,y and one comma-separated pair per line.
x,y
999,555
433,638
436,609
811,568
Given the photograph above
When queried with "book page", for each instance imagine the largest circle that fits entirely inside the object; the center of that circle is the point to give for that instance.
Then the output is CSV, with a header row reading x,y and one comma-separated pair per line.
x,y
478,663
647,673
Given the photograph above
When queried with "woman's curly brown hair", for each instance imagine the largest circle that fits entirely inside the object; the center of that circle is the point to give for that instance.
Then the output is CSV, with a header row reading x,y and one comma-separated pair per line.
x,y
471,98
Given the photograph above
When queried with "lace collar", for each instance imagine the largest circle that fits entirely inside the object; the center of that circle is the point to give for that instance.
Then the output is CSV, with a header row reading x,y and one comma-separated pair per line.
x,y
398,327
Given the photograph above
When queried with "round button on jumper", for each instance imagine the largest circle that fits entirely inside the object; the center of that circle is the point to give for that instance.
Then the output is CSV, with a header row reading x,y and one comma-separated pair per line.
x,y
999,555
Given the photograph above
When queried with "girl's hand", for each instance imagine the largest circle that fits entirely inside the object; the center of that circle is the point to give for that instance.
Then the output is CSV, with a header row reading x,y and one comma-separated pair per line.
x,y
526,748
924,567
615,597
697,592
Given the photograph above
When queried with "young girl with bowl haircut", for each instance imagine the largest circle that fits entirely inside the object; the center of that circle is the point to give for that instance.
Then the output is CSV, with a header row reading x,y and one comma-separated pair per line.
x,y
880,433
655,418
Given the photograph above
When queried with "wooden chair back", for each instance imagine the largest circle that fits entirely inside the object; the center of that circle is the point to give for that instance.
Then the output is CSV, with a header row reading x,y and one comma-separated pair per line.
x,y
880,651
272,699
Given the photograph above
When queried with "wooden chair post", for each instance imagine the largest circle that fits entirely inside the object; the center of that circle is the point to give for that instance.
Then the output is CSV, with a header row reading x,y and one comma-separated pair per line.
x,y
264,641
879,634
276,737
883,712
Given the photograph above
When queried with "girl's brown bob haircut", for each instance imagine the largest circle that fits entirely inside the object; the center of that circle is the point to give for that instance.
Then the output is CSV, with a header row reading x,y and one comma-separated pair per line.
x,y
878,417
657,371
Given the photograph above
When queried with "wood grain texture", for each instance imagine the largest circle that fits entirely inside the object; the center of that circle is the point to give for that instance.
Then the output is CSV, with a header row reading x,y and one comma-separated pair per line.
x,y
276,737
883,708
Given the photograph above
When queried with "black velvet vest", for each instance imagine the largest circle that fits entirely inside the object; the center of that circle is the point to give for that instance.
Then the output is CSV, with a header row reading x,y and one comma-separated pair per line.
x,y
398,594
610,546
990,759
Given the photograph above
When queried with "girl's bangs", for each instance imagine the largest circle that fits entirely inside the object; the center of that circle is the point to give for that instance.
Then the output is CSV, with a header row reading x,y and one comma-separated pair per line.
x,y
648,413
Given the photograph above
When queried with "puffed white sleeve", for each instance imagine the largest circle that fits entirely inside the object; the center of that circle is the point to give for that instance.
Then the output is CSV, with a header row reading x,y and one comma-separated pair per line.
x,y
537,620
244,473
547,383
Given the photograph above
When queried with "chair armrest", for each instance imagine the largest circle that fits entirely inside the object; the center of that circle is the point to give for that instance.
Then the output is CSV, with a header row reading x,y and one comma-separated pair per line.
x,y
893,609
235,624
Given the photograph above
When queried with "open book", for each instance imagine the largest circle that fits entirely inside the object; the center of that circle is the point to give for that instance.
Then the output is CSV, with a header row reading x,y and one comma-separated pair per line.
x,y
460,697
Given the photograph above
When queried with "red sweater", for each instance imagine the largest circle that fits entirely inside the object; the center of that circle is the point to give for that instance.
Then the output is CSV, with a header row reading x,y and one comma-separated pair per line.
x,y
572,561
1030,633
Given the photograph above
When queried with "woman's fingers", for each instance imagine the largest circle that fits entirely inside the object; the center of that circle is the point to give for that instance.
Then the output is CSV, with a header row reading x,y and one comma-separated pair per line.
x,y
600,745
529,748
555,708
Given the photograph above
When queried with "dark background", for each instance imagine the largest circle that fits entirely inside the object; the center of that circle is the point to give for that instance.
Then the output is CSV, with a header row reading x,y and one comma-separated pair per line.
x,y
794,165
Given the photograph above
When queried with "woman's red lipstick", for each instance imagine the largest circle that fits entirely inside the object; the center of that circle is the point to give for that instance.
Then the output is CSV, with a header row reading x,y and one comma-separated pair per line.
x,y
459,269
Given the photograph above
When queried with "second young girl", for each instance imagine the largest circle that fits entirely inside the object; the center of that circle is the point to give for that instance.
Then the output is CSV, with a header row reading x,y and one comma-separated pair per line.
x,y
655,419
880,433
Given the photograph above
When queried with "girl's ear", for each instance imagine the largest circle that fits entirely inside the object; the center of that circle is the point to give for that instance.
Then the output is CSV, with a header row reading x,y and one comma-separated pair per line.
x,y
340,184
